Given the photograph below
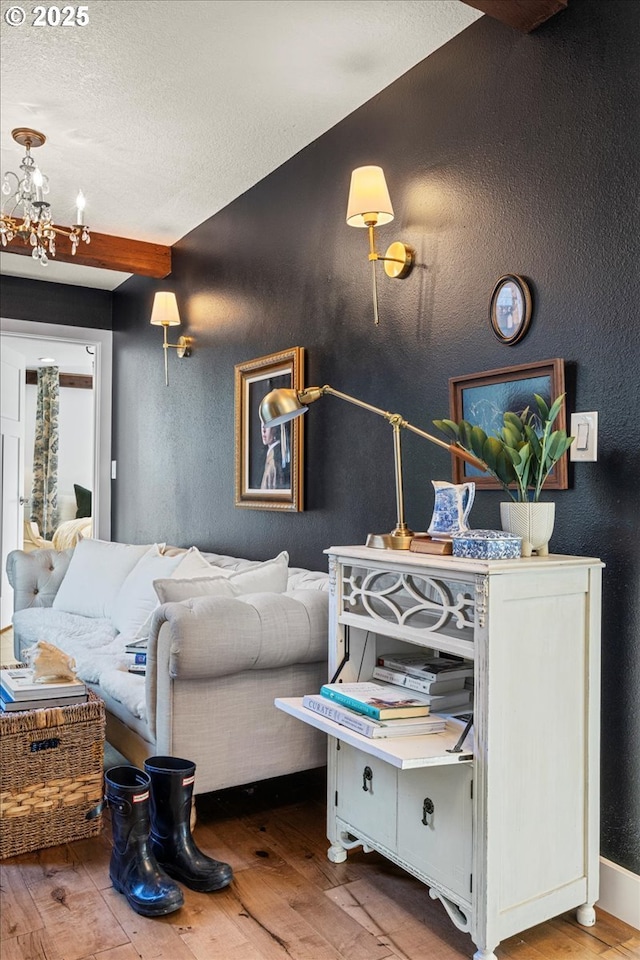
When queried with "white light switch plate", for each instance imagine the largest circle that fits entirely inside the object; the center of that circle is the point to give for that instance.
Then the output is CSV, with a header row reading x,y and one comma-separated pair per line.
x,y
584,427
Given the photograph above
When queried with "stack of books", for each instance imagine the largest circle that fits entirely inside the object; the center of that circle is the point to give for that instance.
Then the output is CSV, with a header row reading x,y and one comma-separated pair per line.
x,y
445,681
136,653
19,691
375,710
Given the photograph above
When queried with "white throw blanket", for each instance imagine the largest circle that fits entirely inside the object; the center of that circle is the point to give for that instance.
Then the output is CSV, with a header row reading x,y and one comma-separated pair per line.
x,y
98,650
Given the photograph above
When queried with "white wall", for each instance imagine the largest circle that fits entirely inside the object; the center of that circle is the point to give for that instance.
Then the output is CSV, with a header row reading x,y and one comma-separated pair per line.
x,y
75,451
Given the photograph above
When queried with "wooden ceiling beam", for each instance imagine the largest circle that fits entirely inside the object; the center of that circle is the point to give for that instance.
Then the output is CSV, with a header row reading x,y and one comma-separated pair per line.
x,y
83,381
524,15
109,253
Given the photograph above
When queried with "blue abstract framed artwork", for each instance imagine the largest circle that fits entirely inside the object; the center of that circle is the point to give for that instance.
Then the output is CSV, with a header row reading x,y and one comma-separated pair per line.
x,y
483,398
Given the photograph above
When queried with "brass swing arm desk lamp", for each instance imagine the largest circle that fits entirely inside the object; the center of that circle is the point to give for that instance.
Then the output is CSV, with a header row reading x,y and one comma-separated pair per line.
x,y
282,405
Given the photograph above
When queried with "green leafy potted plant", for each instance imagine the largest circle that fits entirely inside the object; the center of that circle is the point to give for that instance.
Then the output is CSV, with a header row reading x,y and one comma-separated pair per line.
x,y
520,458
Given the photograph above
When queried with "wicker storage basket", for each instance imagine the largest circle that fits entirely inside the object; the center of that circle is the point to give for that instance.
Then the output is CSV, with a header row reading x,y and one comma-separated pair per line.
x,y
51,775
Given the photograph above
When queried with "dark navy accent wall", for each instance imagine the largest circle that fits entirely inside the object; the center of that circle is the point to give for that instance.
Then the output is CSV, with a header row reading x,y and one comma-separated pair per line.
x,y
44,302
504,153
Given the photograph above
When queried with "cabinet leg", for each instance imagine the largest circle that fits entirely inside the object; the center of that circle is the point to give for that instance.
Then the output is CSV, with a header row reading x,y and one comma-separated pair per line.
x,y
586,915
484,955
336,853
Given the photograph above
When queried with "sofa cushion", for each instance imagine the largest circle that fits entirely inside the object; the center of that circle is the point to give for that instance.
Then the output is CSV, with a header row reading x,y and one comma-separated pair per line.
x,y
136,599
125,688
95,574
173,590
193,564
268,577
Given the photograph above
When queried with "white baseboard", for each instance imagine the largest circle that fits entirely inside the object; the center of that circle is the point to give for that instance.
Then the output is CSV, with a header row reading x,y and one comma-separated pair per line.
x,y
619,892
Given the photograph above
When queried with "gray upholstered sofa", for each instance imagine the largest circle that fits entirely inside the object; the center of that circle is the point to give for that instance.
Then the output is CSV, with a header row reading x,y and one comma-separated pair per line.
x,y
214,666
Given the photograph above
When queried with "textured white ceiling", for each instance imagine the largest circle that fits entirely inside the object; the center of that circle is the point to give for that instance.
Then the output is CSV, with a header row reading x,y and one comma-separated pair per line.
x,y
164,111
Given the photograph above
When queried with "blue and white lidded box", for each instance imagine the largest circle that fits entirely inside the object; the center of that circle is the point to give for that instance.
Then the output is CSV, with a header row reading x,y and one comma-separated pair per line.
x,y
486,545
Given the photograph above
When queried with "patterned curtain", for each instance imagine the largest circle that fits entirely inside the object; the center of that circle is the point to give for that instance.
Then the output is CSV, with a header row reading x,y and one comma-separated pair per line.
x,y
44,493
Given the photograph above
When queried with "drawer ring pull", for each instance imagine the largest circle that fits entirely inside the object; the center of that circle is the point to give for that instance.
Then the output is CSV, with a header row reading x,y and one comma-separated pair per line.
x,y
367,777
427,810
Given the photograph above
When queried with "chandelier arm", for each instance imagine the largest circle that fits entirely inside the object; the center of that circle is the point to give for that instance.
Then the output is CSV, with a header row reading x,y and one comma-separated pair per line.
x,y
34,223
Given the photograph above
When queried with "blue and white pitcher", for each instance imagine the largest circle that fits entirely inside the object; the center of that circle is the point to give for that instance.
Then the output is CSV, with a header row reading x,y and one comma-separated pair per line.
x,y
452,507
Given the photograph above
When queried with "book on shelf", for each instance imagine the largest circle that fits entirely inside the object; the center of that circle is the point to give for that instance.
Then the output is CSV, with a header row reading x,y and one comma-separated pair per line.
x,y
429,668
136,655
8,704
438,699
367,726
378,700
19,683
423,543
136,659
449,701
401,679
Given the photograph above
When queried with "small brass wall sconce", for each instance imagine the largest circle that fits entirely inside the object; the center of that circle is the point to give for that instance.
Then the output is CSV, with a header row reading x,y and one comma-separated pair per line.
x,y
370,206
165,314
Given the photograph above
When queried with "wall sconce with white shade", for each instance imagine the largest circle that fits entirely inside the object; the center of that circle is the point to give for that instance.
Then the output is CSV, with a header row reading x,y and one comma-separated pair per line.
x,y
165,314
370,206
285,404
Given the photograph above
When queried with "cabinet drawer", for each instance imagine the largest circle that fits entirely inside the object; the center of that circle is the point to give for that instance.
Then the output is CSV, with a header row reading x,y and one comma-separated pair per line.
x,y
371,810
435,824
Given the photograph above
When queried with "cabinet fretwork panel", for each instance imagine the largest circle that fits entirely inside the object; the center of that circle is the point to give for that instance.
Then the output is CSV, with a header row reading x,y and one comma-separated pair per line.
x,y
503,828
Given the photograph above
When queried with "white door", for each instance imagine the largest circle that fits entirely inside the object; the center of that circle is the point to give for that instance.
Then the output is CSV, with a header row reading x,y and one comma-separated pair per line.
x,y
12,394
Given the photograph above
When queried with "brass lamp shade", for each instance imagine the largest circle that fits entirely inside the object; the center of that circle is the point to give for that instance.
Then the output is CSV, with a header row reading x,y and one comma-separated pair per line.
x,y
369,200
279,406
165,310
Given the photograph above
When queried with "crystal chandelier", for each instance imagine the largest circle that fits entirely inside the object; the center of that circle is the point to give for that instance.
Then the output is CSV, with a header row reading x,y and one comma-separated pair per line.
x,y
27,193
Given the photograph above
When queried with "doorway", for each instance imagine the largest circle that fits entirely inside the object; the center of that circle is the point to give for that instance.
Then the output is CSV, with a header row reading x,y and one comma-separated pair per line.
x,y
47,339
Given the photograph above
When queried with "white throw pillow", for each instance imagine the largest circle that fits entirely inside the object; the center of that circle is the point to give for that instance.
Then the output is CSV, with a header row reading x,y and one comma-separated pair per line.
x,y
193,564
172,591
136,600
97,570
268,577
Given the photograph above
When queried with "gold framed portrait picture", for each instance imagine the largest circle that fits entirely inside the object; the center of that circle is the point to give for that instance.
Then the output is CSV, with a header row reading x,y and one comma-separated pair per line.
x,y
268,460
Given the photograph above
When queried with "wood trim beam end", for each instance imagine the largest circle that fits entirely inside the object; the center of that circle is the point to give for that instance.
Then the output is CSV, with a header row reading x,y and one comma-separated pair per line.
x,y
109,253
524,15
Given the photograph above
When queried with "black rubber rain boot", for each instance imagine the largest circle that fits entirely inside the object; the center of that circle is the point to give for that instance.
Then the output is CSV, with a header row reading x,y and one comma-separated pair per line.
x,y
133,869
171,841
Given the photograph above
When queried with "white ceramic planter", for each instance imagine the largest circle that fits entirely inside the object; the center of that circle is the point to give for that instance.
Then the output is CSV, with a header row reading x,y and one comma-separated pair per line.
x,y
531,521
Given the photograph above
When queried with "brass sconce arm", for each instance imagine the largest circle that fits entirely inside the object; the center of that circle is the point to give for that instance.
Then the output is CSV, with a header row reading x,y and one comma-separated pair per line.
x,y
183,347
282,405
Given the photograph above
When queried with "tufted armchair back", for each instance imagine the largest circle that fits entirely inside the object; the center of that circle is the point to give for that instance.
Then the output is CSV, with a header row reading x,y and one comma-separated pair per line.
x,y
36,576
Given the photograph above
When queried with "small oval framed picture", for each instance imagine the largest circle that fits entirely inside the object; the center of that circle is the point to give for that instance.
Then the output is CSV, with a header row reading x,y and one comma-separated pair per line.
x,y
510,308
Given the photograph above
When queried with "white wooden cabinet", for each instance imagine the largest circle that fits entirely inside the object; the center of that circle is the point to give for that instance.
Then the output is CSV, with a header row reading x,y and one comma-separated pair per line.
x,y
505,831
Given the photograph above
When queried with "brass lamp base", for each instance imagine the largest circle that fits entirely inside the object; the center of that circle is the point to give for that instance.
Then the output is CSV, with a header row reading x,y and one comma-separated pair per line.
x,y
398,539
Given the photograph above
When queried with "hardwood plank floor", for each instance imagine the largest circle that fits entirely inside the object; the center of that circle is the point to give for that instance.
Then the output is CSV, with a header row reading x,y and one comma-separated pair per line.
x,y
287,901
